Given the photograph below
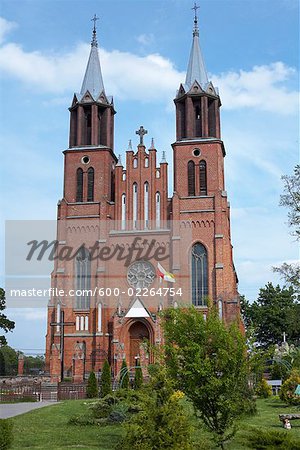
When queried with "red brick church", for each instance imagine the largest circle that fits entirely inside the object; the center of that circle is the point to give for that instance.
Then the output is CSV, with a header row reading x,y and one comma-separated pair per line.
x,y
126,249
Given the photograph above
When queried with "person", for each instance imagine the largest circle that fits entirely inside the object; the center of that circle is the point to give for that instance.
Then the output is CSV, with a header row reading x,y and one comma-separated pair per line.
x,y
287,424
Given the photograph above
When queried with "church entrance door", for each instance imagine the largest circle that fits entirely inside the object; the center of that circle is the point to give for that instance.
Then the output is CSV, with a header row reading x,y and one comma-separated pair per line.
x,y
137,333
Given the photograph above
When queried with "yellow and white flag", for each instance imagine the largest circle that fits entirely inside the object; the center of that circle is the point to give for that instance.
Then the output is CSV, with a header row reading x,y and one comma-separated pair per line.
x,y
164,275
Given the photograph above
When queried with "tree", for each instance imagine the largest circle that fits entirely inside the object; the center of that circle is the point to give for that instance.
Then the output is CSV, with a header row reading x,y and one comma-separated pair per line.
x,y
92,386
138,377
124,375
274,312
163,422
5,323
208,362
290,272
2,364
11,360
106,379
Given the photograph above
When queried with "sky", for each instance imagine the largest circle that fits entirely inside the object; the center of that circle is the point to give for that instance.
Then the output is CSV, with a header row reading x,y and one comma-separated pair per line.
x,y
251,52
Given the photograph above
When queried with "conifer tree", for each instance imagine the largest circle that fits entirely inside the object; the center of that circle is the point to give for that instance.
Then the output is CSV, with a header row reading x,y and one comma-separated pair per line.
x,y
124,376
92,386
2,364
138,377
106,379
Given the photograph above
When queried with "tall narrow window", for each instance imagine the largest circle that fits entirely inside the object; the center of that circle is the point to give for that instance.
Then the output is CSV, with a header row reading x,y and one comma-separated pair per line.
x,y
79,185
83,279
90,186
220,309
191,178
212,117
199,275
112,184
146,162
198,124
203,178
146,205
99,317
58,317
135,205
88,125
157,210
123,211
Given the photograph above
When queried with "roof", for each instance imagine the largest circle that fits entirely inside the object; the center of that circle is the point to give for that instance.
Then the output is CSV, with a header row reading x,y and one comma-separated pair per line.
x,y
92,80
196,67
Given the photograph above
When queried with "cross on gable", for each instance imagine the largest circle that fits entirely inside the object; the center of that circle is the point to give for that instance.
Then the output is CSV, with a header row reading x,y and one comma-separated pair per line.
x,y
141,132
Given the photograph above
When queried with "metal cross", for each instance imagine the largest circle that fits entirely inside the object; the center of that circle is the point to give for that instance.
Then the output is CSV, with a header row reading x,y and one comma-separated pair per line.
x,y
94,19
195,7
62,324
141,132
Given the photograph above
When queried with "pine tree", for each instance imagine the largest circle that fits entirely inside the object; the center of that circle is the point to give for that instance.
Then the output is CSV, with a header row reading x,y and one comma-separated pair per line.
x,y
124,376
106,379
92,386
138,378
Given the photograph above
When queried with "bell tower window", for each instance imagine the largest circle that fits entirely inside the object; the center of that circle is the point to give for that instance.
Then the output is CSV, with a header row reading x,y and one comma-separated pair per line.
x,y
79,185
198,124
203,178
191,178
90,187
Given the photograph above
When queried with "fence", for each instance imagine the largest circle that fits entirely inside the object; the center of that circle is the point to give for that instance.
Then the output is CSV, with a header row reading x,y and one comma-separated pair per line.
x,y
20,391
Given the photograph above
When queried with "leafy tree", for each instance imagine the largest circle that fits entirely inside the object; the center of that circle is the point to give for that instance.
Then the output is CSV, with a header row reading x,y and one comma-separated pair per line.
x,y
2,364
163,422
92,386
124,375
34,364
274,312
11,360
106,379
208,362
290,272
138,377
5,323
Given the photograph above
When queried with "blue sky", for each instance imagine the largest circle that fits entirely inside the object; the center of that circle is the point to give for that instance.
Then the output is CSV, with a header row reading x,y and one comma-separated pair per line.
x,y
251,51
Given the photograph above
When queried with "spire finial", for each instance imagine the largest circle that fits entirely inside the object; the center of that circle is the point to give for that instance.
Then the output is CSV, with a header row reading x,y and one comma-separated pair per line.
x,y
130,145
163,157
196,29
152,144
94,39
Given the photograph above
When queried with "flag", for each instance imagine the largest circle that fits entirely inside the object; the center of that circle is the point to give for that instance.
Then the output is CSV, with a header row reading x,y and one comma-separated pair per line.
x,y
164,275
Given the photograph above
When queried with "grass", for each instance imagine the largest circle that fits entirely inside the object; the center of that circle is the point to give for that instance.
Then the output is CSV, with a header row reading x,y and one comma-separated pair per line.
x,y
48,428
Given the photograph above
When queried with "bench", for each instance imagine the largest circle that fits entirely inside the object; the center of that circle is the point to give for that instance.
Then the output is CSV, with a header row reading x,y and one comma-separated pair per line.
x,y
283,417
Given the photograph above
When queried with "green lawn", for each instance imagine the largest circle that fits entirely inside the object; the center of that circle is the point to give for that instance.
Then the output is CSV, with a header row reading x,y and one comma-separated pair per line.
x,y
48,428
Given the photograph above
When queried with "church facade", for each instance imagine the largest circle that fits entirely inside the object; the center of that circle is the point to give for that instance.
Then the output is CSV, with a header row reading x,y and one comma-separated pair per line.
x,y
136,250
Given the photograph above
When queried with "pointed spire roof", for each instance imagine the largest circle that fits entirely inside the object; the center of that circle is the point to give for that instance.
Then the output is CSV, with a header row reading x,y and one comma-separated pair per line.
x,y
93,81
196,68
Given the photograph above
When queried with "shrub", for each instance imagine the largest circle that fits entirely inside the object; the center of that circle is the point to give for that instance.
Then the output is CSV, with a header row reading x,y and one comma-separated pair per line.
x,y
124,376
163,423
138,378
106,379
287,391
6,434
269,439
92,386
118,414
263,390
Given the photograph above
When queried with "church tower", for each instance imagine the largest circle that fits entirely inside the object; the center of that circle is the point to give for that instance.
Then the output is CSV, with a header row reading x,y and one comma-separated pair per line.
x,y
200,200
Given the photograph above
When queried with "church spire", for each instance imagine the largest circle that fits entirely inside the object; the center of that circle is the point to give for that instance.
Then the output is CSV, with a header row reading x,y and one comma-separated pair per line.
x,y
196,68
93,81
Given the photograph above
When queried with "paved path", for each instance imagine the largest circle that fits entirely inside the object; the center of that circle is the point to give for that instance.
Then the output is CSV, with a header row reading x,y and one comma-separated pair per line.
x,y
14,409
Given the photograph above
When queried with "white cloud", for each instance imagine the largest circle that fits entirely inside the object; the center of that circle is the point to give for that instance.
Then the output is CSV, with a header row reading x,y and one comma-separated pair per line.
x,y
28,314
261,88
145,39
5,27
149,78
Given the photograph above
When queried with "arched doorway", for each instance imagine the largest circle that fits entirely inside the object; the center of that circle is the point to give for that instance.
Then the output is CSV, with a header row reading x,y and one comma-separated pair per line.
x,y
137,333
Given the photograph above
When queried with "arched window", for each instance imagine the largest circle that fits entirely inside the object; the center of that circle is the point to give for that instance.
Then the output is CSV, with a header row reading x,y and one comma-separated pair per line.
x,y
157,173
199,275
83,278
90,186
203,178
79,185
135,205
123,211
146,162
135,163
220,304
157,209
146,205
58,316
191,178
